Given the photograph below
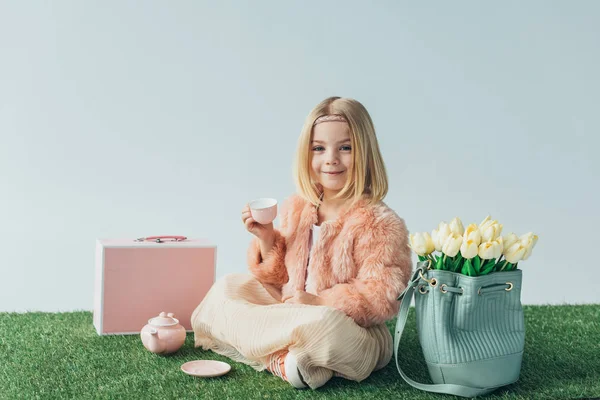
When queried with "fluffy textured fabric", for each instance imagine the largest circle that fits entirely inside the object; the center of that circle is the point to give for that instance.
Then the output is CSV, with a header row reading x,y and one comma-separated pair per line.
x,y
360,264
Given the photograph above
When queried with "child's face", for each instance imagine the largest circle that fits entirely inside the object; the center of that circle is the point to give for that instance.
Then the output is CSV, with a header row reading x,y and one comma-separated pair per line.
x,y
331,155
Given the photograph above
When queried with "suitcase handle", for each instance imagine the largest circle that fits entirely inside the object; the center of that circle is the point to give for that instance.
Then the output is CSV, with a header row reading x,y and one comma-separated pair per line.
x,y
159,239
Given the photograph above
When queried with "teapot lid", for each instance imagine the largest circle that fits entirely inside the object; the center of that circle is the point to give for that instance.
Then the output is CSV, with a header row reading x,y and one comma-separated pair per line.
x,y
164,319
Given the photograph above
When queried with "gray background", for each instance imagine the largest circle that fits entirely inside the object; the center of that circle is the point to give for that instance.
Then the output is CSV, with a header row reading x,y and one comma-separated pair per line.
x,y
121,119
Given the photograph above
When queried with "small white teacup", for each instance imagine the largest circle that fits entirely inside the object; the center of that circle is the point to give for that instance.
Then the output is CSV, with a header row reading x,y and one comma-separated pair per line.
x,y
263,210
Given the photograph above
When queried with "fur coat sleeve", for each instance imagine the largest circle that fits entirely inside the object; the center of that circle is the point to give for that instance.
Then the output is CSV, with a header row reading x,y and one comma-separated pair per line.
x,y
272,268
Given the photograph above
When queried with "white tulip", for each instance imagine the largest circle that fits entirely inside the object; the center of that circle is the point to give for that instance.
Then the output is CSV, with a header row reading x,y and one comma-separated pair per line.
x,y
490,230
528,240
515,253
499,246
509,240
469,249
440,235
456,226
472,233
491,249
452,244
488,218
421,243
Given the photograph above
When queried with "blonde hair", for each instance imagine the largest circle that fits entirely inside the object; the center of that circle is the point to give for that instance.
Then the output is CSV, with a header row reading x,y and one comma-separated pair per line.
x,y
368,177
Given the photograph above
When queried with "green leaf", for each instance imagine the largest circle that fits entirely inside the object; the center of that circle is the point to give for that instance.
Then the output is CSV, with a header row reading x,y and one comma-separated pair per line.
x,y
477,266
438,263
476,262
465,267
457,262
458,266
449,263
422,258
487,269
468,269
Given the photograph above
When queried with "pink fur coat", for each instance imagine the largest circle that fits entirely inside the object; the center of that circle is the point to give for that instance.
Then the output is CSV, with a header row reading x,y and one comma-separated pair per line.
x,y
360,263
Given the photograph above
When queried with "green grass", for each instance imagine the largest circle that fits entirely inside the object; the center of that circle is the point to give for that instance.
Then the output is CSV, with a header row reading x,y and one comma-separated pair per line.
x,y
59,355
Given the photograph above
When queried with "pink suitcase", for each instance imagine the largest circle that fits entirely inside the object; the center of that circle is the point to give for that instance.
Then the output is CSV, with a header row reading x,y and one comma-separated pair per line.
x,y
136,279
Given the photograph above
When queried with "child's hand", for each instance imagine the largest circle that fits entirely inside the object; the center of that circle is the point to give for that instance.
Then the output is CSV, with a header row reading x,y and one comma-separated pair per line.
x,y
263,232
302,297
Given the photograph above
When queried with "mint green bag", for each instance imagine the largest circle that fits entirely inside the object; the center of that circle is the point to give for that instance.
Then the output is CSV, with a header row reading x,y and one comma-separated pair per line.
x,y
471,329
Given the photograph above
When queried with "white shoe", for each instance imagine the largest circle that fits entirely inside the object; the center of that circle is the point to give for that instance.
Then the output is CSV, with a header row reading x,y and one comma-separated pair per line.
x,y
288,371
292,372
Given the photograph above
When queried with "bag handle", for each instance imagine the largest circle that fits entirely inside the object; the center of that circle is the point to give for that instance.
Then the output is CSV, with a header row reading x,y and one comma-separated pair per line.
x,y
159,239
405,299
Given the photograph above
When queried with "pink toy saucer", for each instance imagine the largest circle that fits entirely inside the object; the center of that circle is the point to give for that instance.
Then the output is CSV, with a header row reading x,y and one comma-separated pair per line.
x,y
206,368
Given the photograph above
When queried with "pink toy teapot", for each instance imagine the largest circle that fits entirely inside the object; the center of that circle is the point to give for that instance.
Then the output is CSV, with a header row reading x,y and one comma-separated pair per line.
x,y
163,334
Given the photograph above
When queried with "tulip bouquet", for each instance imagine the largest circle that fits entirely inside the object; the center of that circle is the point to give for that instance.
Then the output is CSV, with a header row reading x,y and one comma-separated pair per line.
x,y
477,250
